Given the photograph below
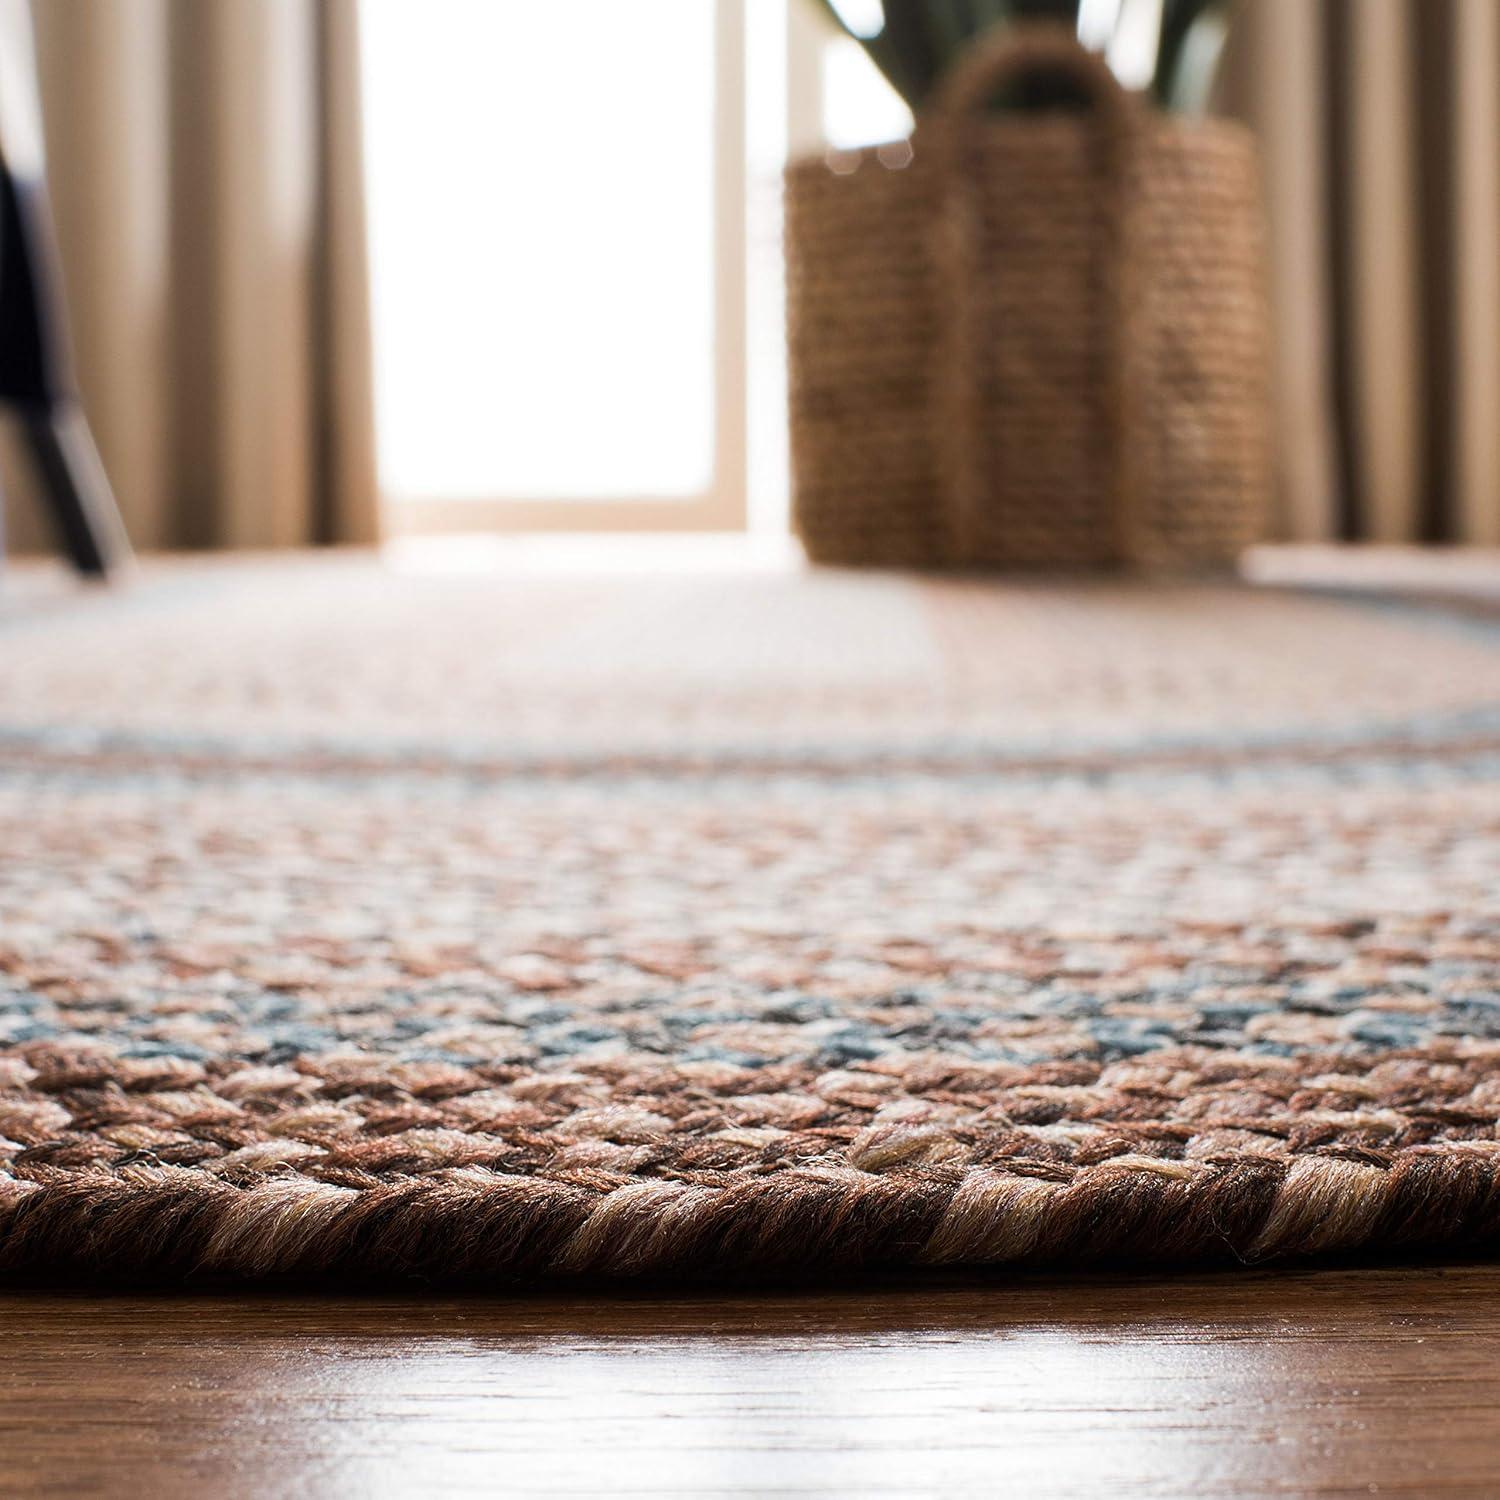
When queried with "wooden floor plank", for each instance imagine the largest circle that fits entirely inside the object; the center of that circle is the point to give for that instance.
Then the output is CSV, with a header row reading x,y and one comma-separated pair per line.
x,y
1336,1382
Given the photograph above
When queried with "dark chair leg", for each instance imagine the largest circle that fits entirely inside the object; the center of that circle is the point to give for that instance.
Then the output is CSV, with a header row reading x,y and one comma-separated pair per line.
x,y
36,377
78,493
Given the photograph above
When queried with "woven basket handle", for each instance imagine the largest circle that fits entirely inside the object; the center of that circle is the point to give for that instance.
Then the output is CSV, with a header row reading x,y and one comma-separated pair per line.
x,y
1031,49
1008,55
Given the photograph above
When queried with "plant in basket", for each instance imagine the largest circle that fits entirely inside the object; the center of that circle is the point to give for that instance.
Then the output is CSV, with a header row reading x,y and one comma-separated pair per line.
x,y
1171,46
1042,341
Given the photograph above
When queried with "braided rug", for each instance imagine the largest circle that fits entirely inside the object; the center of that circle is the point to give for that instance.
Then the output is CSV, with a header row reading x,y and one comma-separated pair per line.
x,y
477,927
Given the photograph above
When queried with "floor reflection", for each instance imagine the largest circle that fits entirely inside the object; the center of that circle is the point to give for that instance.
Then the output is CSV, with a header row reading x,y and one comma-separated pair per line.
x,y
1207,1385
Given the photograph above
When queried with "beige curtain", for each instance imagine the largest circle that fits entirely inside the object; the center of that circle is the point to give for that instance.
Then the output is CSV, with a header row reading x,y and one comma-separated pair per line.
x,y
204,165
1380,122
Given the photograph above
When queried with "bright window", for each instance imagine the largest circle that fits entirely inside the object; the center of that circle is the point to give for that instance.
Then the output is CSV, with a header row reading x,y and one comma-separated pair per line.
x,y
574,219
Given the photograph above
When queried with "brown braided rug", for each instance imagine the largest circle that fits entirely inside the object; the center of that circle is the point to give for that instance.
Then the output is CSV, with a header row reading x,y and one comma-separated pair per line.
x,y
475,927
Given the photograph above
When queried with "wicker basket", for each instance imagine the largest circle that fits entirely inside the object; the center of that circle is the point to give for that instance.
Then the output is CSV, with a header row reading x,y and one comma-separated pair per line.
x,y
1043,342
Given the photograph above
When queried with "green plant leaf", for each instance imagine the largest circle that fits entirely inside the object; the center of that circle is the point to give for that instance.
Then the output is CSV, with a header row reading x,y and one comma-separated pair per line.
x,y
1193,35
901,49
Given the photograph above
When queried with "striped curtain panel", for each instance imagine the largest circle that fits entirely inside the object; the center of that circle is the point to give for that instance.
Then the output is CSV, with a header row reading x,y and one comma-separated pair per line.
x,y
205,175
1380,125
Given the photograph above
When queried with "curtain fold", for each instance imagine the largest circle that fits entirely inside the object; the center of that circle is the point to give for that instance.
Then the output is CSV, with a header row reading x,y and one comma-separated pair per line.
x,y
205,174
1379,121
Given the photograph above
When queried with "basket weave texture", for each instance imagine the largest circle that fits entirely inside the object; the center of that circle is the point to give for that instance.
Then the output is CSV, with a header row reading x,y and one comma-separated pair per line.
x,y
1044,341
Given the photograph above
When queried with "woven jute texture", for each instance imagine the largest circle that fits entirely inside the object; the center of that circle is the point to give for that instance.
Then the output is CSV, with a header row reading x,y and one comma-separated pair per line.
x,y
1030,340
480,928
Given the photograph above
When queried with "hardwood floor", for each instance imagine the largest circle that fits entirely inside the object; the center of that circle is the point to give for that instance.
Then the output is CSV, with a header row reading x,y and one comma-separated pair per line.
x,y
1338,1382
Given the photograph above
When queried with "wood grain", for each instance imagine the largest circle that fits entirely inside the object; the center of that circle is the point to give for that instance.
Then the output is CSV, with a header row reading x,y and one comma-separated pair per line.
x,y
1338,1382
